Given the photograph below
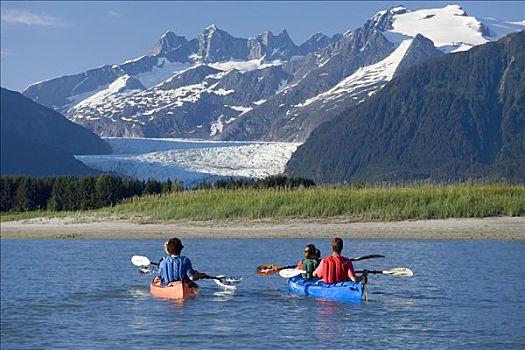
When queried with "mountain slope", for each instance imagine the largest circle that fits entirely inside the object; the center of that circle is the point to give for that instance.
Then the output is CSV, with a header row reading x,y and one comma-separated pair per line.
x,y
297,87
36,140
360,63
170,55
457,116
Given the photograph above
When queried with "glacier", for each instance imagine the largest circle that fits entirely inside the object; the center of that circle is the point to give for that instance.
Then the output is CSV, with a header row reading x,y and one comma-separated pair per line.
x,y
191,161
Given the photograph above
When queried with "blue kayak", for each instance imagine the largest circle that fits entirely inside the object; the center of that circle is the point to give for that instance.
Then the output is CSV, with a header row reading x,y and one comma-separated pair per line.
x,y
342,291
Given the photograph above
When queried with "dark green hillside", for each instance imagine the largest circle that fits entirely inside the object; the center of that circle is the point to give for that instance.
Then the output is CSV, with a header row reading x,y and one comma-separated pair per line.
x,y
36,140
458,116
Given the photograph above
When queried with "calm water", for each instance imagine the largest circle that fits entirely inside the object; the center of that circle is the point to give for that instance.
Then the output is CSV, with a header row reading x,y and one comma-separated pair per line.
x,y
76,294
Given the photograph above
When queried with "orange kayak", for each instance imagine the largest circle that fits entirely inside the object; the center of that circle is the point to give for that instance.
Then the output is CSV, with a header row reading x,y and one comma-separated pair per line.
x,y
175,290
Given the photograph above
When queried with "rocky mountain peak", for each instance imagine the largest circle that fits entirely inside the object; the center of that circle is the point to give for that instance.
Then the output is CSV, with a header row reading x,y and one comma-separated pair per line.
x,y
420,50
383,19
284,35
215,45
213,30
168,41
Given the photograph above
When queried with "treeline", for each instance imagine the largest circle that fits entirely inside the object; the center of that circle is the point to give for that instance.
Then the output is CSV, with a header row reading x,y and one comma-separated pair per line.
x,y
273,181
25,193
70,193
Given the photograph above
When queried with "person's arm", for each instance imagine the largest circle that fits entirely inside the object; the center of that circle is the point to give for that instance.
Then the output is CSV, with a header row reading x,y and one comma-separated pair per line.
x,y
193,274
300,265
351,273
197,275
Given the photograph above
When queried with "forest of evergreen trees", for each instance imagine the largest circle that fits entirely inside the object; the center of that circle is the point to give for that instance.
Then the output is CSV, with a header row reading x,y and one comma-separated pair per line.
x,y
59,193
26,193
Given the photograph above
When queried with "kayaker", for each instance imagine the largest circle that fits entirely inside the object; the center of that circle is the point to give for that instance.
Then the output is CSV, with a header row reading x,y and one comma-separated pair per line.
x,y
309,263
175,267
336,268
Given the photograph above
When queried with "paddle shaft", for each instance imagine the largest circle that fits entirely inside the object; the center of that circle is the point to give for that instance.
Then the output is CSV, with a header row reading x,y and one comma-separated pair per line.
x,y
370,271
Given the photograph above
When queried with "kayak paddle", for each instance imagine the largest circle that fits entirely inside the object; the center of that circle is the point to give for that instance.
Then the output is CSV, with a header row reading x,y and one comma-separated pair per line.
x,y
398,272
270,269
226,282
138,260
289,273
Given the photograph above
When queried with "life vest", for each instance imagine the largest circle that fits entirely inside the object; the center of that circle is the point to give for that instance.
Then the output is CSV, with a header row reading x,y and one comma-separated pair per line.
x,y
335,269
308,265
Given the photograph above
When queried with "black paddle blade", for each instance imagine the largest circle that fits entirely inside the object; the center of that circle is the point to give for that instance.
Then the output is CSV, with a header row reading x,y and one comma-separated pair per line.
x,y
372,256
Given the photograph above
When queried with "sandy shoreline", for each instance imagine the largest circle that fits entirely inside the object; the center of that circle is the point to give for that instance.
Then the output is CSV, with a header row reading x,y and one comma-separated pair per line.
x,y
493,228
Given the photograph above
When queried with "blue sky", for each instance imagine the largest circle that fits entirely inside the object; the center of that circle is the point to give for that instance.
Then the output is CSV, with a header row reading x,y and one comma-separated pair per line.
x,y
42,40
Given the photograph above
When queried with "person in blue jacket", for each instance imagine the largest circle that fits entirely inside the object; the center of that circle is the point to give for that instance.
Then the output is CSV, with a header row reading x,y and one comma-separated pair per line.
x,y
175,267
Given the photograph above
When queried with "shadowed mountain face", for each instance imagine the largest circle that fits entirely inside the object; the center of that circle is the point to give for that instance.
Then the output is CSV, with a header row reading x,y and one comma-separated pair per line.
x,y
39,141
454,117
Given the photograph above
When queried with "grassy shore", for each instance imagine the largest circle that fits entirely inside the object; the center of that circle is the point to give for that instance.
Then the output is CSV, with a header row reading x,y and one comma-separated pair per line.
x,y
385,204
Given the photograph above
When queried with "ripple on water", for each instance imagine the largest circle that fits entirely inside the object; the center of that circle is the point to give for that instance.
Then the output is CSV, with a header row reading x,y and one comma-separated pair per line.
x,y
445,305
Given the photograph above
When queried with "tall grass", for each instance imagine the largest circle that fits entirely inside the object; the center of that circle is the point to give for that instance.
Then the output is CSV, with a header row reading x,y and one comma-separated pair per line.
x,y
427,202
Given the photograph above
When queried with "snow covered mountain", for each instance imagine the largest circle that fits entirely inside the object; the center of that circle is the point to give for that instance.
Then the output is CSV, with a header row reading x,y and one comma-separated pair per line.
x,y
217,86
399,39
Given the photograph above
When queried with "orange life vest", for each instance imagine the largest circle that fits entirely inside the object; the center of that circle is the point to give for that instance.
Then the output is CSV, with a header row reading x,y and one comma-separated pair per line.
x,y
336,268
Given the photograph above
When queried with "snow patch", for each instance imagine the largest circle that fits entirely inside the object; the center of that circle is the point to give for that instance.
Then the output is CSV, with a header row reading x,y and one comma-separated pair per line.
x,y
163,70
364,80
449,28
118,87
217,126
241,109
244,66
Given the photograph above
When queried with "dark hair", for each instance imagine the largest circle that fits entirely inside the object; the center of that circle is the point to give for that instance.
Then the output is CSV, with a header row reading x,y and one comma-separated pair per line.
x,y
337,245
317,253
174,246
311,248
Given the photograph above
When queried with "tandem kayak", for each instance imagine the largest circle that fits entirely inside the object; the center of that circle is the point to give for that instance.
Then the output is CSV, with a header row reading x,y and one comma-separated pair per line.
x,y
175,290
342,291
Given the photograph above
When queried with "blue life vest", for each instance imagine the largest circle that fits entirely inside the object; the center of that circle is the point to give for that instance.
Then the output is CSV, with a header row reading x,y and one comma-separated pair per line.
x,y
175,269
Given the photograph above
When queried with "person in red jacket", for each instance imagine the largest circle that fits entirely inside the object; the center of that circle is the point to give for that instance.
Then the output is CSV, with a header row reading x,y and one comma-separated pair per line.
x,y
337,268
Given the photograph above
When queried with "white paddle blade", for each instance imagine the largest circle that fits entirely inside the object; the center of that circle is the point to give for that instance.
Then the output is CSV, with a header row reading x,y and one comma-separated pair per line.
x,y
399,271
289,273
138,260
226,284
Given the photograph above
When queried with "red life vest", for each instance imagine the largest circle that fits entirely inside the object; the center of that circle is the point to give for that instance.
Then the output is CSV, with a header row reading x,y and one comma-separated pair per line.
x,y
335,269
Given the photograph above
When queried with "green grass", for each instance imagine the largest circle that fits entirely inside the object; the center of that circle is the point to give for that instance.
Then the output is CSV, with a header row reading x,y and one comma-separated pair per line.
x,y
428,202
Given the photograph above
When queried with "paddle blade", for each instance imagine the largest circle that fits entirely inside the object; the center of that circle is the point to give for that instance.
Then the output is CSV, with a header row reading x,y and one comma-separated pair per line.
x,y
138,260
372,256
268,269
399,271
289,273
144,270
228,283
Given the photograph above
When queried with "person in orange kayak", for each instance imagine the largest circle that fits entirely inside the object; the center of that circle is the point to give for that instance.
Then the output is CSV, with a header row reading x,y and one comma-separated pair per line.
x,y
337,268
175,267
310,262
